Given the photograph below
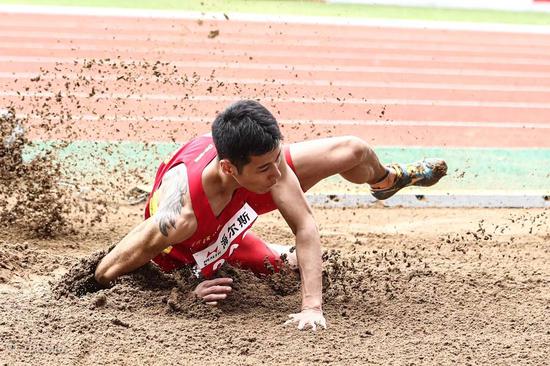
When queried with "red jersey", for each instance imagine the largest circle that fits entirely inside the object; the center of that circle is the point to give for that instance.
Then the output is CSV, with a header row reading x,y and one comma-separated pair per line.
x,y
216,237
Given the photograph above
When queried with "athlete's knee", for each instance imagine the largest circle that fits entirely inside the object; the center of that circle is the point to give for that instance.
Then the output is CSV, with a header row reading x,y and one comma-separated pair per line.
x,y
358,148
285,253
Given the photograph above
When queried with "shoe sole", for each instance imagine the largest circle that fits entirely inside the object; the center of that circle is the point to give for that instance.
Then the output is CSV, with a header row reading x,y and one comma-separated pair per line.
x,y
439,170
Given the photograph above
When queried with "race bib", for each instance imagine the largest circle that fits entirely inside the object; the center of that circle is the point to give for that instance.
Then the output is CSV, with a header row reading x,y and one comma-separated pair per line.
x,y
235,227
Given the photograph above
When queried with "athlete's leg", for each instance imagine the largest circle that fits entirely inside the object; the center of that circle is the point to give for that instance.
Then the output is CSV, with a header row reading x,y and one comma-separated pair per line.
x,y
357,162
285,250
261,258
348,156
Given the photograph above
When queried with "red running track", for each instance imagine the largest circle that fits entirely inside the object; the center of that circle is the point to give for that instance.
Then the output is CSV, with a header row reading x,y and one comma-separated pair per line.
x,y
398,87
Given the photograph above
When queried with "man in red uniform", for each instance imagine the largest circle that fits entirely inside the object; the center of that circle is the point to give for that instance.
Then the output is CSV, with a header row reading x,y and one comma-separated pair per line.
x,y
209,193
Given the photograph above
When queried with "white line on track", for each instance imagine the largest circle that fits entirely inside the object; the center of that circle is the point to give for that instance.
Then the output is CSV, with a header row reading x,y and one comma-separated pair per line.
x,y
320,100
307,68
302,43
305,123
434,59
341,21
69,76
191,28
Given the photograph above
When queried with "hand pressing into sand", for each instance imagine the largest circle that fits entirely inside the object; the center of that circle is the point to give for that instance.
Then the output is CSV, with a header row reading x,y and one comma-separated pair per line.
x,y
308,318
212,291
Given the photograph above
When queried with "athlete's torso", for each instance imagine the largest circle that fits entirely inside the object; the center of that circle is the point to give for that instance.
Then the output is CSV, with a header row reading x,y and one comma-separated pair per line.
x,y
215,236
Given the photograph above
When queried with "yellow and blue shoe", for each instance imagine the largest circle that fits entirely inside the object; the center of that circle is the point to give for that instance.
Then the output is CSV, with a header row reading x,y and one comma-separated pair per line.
x,y
423,173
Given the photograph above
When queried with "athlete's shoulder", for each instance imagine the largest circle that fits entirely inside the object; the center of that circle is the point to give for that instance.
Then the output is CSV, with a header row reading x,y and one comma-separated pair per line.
x,y
175,211
189,150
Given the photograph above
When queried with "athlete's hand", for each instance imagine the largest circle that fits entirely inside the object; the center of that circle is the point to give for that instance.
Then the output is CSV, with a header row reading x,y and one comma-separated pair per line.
x,y
308,318
212,291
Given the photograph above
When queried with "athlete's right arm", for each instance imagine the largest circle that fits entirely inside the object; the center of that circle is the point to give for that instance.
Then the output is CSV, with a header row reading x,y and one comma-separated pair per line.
x,y
173,222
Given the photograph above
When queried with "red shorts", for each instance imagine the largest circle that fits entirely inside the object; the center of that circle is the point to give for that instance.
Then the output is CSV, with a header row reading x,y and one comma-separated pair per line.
x,y
255,255
252,254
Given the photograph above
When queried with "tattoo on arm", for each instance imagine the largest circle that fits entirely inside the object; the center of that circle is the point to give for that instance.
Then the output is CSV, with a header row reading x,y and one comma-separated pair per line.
x,y
175,188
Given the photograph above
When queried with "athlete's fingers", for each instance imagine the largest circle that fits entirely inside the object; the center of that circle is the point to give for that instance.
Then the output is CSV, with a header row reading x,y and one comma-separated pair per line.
x,y
291,320
219,281
306,322
214,297
216,290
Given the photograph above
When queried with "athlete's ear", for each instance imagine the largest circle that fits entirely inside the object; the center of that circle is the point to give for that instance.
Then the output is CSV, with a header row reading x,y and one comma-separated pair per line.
x,y
227,167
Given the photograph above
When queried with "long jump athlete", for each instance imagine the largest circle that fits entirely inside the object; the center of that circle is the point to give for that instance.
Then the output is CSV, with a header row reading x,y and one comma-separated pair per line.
x,y
208,194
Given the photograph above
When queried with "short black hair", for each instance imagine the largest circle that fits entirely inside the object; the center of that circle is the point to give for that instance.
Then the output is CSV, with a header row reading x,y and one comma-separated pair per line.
x,y
246,128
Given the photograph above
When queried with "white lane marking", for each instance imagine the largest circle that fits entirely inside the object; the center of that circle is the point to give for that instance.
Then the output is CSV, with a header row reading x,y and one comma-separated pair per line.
x,y
294,68
68,76
434,59
312,100
192,28
271,42
284,19
321,122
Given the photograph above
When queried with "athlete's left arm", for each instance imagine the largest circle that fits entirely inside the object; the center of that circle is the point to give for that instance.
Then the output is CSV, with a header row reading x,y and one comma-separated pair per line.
x,y
292,204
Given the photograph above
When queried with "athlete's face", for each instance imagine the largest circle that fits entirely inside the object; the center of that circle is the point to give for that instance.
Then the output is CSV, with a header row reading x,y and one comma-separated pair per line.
x,y
262,172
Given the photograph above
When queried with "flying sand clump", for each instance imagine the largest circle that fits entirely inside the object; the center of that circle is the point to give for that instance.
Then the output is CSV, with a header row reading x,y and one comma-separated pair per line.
x,y
30,197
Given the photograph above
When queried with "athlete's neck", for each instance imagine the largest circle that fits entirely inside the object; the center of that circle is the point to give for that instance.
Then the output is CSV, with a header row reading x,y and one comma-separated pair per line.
x,y
216,182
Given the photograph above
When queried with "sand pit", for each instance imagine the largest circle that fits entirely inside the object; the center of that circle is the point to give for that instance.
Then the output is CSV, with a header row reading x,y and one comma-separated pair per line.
x,y
401,287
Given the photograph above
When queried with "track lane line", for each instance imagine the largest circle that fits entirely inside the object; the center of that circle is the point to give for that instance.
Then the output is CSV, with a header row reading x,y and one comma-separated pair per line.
x,y
72,76
23,48
325,100
304,122
285,19
284,67
249,42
